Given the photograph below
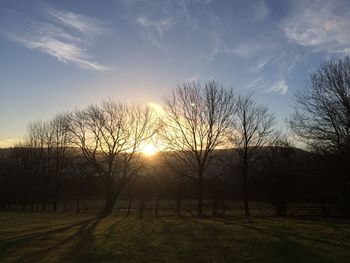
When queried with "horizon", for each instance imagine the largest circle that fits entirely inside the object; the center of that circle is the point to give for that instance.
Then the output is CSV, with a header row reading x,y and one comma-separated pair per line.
x,y
58,56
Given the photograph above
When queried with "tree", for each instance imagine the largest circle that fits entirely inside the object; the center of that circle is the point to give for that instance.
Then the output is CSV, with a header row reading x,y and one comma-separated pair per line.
x,y
46,148
39,140
175,172
110,136
60,157
280,168
198,120
321,118
253,131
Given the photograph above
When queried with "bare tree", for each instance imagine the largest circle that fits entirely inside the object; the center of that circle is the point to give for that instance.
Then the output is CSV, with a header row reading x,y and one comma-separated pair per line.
x,y
322,116
322,109
39,138
176,173
198,120
280,168
254,130
47,143
110,136
60,155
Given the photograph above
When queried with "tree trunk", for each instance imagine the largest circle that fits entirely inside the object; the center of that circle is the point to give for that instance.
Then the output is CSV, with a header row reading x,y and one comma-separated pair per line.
x,y
129,204
215,200
24,203
178,205
32,203
200,195
156,209
109,205
78,205
215,206
245,188
43,209
141,206
55,201
281,209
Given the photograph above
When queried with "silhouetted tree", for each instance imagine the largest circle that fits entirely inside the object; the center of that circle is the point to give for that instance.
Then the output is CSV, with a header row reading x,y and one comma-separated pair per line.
x,y
110,136
61,158
198,120
322,117
175,172
39,138
280,167
253,131
46,146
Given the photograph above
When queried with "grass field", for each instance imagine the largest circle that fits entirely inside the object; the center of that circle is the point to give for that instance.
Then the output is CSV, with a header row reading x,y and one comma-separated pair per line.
x,y
37,237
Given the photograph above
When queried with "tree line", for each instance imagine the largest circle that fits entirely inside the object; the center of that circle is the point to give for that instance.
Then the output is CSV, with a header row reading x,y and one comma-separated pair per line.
x,y
214,142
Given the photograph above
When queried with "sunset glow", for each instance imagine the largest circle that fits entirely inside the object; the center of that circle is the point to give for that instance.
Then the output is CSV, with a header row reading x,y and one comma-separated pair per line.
x,y
79,54
149,150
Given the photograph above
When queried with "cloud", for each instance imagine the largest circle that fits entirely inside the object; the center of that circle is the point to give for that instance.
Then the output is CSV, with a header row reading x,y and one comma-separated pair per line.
x,y
257,83
261,10
261,63
320,24
160,26
267,85
279,87
251,49
155,29
89,26
64,51
63,35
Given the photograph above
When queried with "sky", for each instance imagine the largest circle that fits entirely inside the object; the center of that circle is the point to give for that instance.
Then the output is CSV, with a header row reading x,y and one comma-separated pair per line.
x,y
62,55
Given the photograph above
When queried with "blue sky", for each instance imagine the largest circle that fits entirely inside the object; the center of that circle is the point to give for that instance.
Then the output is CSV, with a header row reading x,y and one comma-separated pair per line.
x,y
62,55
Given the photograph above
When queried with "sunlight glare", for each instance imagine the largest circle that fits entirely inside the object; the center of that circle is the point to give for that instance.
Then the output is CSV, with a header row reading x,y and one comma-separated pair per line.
x,y
149,150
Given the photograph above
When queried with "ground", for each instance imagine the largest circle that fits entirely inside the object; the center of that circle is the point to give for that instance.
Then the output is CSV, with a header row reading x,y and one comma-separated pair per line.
x,y
49,237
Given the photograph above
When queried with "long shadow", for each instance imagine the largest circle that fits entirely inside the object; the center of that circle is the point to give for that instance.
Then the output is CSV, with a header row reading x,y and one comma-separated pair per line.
x,y
285,243
282,234
33,231
83,250
32,236
112,227
83,228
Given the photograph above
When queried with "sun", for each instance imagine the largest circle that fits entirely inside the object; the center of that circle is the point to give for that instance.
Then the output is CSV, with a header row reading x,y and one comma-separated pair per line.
x,y
149,150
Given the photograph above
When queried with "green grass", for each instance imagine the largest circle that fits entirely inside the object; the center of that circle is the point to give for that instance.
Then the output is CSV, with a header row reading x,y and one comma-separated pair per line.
x,y
26,237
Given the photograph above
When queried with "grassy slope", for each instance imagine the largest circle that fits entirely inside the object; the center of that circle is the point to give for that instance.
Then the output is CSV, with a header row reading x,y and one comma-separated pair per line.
x,y
26,237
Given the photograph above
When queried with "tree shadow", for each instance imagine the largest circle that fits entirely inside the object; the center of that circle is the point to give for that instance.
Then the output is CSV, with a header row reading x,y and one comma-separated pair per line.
x,y
18,240
84,234
283,233
289,244
111,229
84,249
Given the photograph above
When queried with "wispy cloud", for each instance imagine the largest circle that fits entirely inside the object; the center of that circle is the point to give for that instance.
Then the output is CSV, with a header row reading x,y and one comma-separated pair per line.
x,y
253,48
263,84
63,35
261,10
280,87
247,50
65,52
155,29
261,63
320,24
88,26
160,26
158,17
